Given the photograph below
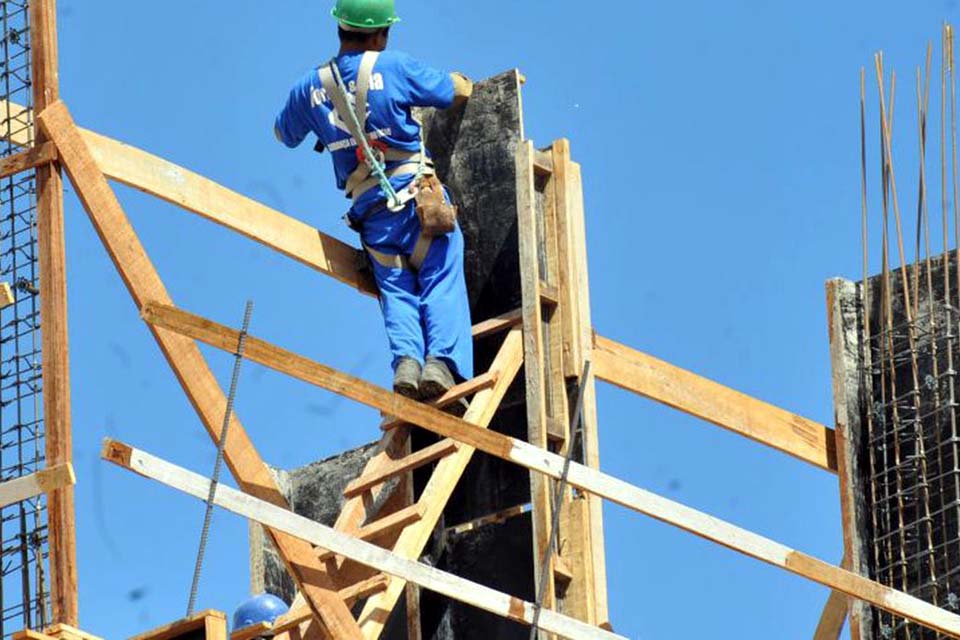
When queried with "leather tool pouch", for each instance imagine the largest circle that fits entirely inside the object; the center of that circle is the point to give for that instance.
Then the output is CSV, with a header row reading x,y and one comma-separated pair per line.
x,y
437,216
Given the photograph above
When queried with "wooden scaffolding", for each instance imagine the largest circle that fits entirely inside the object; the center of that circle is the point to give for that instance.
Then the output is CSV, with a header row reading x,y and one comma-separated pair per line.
x,y
351,576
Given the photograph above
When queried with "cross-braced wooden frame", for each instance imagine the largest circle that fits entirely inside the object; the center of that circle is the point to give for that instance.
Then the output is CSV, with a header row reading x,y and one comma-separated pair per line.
x,y
551,347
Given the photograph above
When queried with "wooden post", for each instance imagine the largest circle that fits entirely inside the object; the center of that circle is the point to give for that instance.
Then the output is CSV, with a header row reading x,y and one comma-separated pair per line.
x,y
846,358
53,318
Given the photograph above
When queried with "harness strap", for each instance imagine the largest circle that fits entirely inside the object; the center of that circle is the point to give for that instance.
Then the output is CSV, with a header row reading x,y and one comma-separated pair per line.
x,y
420,251
338,98
364,74
408,168
388,260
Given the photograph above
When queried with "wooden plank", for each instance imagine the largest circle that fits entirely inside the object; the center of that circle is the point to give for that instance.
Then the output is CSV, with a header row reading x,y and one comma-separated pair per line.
x,y
593,516
364,588
58,430
165,180
833,617
846,360
414,625
30,634
552,465
295,618
16,123
498,324
215,628
533,355
408,463
454,394
444,479
381,527
6,295
658,380
567,265
31,158
343,544
38,483
255,631
66,632
185,358
184,627
437,492
493,518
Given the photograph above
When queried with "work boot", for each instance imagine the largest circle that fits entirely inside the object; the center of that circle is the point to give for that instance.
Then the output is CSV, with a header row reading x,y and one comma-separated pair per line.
x,y
406,378
435,380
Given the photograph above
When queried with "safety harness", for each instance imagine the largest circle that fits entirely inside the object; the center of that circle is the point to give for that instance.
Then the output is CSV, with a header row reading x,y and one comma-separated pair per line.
x,y
371,171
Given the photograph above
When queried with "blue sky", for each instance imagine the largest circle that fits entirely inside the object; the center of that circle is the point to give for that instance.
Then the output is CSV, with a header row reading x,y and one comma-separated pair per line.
x,y
719,144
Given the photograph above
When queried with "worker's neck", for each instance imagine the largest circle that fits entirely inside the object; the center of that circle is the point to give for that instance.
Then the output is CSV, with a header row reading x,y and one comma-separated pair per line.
x,y
355,48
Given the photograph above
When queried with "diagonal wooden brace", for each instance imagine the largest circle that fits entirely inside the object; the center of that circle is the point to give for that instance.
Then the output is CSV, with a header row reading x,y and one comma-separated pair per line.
x,y
382,560
188,364
552,465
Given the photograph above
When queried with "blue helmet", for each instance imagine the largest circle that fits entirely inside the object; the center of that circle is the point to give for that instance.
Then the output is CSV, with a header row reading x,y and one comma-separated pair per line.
x,y
262,608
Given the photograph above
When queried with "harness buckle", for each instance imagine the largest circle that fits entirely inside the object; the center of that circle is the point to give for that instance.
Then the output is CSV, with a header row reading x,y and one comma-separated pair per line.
x,y
378,148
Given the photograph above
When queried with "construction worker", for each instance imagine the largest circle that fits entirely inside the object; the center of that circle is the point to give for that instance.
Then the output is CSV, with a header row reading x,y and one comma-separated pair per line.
x,y
359,106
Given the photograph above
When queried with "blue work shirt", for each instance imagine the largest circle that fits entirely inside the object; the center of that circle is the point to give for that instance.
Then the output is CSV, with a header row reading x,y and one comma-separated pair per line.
x,y
398,83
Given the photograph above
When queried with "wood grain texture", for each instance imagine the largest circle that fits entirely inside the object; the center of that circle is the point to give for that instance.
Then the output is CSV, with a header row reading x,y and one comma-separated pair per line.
x,y
843,314
187,627
51,242
379,559
35,484
185,359
394,446
552,465
535,371
31,158
724,407
177,185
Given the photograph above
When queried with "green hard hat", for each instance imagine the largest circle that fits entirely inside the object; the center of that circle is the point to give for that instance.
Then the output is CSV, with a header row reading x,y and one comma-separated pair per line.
x,y
366,14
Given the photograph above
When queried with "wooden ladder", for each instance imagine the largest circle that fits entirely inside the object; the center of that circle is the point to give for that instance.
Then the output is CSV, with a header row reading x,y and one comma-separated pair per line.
x,y
380,504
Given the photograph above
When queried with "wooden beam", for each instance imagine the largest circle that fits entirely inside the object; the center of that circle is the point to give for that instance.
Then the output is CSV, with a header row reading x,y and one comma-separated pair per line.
x,y
550,464
185,358
498,324
833,617
535,371
179,186
847,364
407,463
658,380
6,295
66,632
30,634
31,158
16,123
454,394
342,544
38,483
188,627
575,279
58,435
383,526
443,481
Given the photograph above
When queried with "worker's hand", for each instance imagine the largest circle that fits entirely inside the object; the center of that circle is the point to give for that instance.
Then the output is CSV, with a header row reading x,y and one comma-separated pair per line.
x,y
462,88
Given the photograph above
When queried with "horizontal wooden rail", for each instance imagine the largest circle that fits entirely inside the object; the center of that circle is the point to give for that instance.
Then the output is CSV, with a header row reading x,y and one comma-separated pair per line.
x,y
343,544
675,387
191,191
497,324
531,457
35,484
29,159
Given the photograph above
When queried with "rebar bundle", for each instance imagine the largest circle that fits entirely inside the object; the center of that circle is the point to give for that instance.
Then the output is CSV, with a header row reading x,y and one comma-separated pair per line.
x,y
24,599
910,330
